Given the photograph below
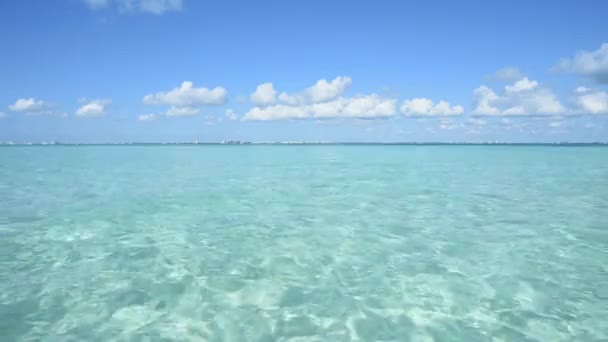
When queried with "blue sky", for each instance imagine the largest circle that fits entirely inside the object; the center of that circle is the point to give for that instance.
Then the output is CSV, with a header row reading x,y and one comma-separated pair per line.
x,y
183,70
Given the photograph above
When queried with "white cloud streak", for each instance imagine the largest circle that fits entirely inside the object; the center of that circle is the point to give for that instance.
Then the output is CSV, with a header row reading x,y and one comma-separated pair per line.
x,y
426,107
147,117
146,6
182,111
363,107
93,108
29,106
187,96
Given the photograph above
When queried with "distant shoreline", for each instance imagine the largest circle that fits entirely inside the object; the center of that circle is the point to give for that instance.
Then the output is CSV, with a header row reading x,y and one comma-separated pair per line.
x,y
6,144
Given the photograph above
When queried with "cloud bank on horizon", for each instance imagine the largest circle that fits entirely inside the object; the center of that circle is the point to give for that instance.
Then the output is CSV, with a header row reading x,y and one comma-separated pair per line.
x,y
162,69
327,99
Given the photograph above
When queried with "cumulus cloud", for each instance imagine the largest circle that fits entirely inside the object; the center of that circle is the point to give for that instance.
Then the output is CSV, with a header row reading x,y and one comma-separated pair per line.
x,y
486,100
523,84
534,102
147,117
426,107
264,95
93,108
146,6
322,100
29,106
292,100
186,99
592,101
363,106
321,91
593,64
324,91
523,97
187,96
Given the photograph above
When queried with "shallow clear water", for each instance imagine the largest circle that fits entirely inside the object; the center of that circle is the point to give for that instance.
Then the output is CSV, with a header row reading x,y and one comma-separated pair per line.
x,y
304,243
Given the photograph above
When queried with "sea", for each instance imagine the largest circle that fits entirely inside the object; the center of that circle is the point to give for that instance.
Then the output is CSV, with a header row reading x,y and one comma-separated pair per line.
x,y
304,243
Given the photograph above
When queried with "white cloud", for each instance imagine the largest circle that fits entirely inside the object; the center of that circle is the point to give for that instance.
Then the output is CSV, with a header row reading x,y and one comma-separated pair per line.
x,y
324,91
29,106
593,64
93,108
276,112
533,102
593,102
363,106
171,112
322,101
148,6
147,117
187,96
581,90
523,97
292,100
515,110
321,91
182,111
556,124
523,84
2,115
264,95
426,107
231,115
486,100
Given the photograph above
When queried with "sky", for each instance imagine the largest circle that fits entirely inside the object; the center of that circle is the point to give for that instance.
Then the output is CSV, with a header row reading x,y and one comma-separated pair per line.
x,y
95,71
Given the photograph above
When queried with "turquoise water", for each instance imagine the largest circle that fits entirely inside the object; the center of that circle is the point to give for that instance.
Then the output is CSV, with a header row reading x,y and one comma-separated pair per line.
x,y
304,243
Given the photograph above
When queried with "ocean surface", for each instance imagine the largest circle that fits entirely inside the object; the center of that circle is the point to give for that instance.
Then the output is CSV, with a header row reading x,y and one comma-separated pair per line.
x,y
303,243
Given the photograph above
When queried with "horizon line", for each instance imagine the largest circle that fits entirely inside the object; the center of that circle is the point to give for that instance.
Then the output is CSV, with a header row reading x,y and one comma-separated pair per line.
x,y
237,142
